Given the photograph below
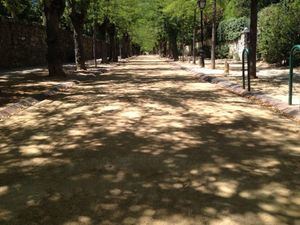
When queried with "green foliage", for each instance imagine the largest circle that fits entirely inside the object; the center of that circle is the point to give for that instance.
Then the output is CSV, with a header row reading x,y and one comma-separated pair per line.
x,y
14,7
278,33
230,30
241,8
27,10
143,23
146,38
237,8
222,51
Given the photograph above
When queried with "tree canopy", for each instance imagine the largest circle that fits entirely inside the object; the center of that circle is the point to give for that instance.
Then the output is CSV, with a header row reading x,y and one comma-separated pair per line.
x,y
145,23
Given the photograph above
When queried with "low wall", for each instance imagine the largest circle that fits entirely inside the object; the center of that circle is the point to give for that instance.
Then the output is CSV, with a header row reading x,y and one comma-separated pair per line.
x,y
236,47
23,44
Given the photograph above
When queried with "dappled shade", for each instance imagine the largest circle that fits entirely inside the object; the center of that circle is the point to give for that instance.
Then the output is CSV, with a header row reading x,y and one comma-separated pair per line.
x,y
147,143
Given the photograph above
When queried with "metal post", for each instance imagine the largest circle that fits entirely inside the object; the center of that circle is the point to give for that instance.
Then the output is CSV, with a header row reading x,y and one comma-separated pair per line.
x,y
243,70
291,75
246,52
248,73
202,63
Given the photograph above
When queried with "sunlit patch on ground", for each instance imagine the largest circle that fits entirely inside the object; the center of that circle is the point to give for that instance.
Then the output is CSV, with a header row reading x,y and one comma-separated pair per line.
x,y
273,81
147,143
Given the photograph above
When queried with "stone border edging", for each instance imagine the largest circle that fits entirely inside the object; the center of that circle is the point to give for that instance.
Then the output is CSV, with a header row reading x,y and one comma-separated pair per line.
x,y
292,112
30,101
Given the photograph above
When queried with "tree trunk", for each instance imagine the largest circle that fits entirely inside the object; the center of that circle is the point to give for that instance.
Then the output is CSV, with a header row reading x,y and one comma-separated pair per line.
x,y
118,52
165,50
253,38
213,39
125,46
194,37
78,23
173,46
130,48
13,15
112,43
103,40
169,52
182,51
95,43
53,11
160,48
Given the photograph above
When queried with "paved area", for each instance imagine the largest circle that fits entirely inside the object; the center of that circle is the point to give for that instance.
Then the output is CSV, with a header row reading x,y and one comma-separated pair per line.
x,y
273,81
207,75
19,84
148,144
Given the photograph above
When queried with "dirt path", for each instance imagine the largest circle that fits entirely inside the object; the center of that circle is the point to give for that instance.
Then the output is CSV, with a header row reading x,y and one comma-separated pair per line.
x,y
148,144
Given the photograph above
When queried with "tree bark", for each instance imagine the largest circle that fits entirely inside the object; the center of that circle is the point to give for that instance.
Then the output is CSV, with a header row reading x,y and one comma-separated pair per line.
x,y
112,42
160,48
118,53
173,46
95,43
53,11
194,37
125,46
213,39
78,24
182,46
165,50
103,40
253,38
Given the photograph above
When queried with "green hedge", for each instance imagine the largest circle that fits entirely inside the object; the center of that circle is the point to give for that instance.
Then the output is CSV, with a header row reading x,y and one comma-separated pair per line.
x,y
279,30
230,30
222,51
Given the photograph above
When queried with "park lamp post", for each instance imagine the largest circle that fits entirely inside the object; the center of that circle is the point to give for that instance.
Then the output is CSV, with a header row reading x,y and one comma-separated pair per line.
x,y
201,5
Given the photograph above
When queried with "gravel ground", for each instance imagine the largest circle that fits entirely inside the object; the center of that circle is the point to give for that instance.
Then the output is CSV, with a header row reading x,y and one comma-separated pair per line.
x,y
273,81
22,83
148,144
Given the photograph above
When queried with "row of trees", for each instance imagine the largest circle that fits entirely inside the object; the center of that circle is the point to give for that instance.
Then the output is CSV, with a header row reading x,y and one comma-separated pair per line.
x,y
278,23
117,24
164,26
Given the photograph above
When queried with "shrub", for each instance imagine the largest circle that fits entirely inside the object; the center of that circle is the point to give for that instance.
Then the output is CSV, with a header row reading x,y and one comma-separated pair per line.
x,y
279,30
230,30
222,51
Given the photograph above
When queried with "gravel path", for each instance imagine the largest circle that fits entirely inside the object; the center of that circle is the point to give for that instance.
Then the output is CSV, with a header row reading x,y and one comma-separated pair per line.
x,y
273,81
148,144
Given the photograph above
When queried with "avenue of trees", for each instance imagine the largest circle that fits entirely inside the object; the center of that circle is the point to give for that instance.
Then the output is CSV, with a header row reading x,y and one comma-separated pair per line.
x,y
125,27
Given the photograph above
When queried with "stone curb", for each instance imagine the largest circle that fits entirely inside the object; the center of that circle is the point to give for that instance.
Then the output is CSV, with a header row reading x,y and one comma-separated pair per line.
x,y
292,112
28,102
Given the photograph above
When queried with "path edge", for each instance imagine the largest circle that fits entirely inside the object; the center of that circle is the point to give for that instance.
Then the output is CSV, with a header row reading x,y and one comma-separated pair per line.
x,y
278,106
25,103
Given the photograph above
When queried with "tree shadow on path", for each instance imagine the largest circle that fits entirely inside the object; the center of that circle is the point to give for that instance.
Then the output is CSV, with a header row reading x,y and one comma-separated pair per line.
x,y
149,147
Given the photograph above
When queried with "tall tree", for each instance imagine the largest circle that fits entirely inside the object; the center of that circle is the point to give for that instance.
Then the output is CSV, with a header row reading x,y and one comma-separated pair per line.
x,y
253,38
213,37
78,15
103,40
194,36
173,35
112,33
54,9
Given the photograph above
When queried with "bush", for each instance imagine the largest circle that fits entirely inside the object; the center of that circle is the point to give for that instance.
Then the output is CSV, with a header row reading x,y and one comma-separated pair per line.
x,y
279,30
222,51
230,30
